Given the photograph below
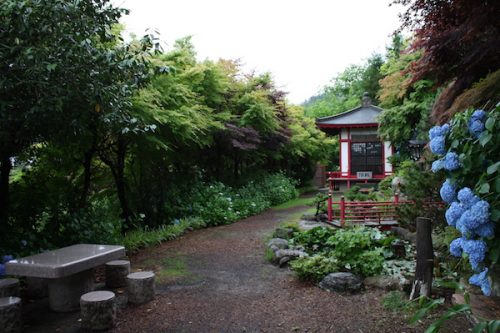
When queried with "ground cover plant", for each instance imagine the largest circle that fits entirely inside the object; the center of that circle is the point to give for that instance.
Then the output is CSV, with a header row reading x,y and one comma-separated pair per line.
x,y
360,250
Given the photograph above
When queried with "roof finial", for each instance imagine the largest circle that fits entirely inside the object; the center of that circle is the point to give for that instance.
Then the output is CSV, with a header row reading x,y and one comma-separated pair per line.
x,y
366,100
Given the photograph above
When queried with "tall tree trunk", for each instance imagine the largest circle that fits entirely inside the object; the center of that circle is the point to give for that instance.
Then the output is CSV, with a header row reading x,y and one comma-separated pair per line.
x,y
121,186
87,174
5,167
118,171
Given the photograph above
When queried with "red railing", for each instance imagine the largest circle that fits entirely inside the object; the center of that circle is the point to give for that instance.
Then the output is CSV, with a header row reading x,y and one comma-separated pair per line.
x,y
372,213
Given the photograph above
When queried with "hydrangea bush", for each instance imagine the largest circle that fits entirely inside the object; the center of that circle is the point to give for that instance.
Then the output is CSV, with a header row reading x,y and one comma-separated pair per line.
x,y
469,151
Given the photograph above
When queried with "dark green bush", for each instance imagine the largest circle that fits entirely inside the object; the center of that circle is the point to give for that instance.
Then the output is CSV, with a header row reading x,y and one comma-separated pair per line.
x,y
360,250
316,267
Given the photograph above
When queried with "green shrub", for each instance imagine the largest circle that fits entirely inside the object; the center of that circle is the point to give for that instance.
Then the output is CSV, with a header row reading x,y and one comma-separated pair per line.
x,y
316,267
360,250
314,240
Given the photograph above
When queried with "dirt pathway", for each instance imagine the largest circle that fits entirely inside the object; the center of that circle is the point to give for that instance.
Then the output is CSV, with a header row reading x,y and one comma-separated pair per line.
x,y
217,280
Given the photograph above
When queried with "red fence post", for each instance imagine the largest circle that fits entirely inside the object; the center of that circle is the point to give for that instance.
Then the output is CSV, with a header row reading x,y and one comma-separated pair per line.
x,y
342,211
396,197
330,193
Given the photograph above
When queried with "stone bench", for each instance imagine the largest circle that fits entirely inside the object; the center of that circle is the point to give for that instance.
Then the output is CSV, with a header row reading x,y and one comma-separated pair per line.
x,y
10,315
116,273
98,309
68,270
141,287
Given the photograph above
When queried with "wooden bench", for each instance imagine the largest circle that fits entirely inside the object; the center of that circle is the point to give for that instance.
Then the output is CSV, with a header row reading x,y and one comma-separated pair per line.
x,y
68,270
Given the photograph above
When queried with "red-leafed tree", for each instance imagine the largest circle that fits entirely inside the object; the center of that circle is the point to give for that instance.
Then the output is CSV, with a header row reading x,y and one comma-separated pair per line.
x,y
461,43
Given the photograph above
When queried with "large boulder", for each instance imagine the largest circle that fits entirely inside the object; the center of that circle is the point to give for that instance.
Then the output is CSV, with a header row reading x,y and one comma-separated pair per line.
x,y
341,281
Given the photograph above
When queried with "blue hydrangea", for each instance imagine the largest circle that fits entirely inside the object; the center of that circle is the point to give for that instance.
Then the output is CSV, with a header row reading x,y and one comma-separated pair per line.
x,y
456,247
448,192
481,280
2,270
476,127
479,115
7,258
437,165
486,230
476,123
481,212
451,161
439,131
463,223
467,197
437,145
471,219
476,249
453,213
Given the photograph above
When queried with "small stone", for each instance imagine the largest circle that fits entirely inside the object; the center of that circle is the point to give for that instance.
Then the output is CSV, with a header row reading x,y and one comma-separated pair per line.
x,y
278,243
398,248
9,287
341,281
291,254
10,315
285,233
323,217
284,261
383,282
309,217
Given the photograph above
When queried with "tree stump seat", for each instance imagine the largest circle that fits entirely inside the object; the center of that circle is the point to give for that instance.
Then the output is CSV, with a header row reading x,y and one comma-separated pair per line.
x,y
10,315
116,273
98,309
141,287
9,287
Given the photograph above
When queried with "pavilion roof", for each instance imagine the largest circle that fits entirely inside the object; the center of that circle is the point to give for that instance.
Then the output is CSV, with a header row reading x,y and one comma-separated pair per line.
x,y
362,116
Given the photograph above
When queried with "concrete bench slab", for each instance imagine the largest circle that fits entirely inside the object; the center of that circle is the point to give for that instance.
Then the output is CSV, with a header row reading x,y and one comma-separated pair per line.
x,y
65,261
68,270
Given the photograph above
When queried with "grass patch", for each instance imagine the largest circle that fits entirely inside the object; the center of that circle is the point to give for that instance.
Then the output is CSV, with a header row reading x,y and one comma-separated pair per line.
x,y
297,202
396,301
269,254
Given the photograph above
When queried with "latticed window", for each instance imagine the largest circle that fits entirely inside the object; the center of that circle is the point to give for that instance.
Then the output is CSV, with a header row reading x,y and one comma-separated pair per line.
x,y
366,156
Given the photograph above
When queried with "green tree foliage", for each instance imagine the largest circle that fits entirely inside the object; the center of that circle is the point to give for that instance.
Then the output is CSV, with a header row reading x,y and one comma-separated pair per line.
x,y
60,78
99,137
406,103
347,88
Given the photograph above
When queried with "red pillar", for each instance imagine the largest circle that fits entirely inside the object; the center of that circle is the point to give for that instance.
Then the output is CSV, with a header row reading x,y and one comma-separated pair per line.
x,y
342,211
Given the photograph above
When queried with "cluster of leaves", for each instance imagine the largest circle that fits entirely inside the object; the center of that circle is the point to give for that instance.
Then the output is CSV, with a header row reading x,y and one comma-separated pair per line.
x,y
360,250
221,204
347,88
422,187
460,43
355,194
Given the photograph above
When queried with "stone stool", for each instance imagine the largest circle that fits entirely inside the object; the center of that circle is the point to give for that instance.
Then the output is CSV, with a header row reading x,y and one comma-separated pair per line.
x,y
10,315
98,309
116,273
9,287
141,287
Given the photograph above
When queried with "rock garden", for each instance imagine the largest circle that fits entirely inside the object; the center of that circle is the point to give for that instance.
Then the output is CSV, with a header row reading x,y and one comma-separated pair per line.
x,y
344,259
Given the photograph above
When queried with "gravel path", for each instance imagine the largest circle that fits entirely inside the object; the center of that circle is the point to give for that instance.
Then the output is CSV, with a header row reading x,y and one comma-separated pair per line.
x,y
217,280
